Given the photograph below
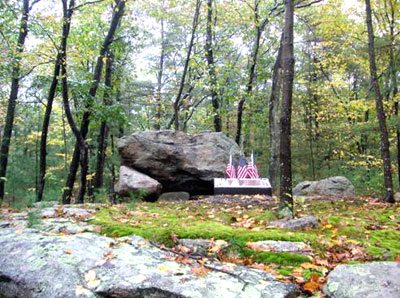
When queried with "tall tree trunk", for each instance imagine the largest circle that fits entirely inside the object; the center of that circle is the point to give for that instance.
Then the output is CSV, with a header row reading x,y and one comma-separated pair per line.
x,y
286,198
385,153
186,65
12,100
103,133
49,105
157,125
260,26
393,73
83,160
273,117
211,68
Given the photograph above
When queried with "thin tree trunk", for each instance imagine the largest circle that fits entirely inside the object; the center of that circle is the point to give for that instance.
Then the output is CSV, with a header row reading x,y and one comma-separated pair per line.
x,y
67,13
211,67
12,100
117,15
286,198
49,106
186,65
385,153
260,26
157,125
395,90
273,117
103,133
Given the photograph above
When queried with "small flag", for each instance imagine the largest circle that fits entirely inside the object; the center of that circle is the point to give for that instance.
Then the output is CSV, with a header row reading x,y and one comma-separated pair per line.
x,y
252,168
242,168
230,169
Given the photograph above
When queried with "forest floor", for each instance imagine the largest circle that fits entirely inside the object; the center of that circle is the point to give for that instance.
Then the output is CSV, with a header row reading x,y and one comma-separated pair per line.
x,y
352,230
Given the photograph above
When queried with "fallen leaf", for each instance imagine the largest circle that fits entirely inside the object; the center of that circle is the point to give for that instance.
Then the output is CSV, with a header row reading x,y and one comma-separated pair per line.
x,y
311,287
79,290
200,271
90,278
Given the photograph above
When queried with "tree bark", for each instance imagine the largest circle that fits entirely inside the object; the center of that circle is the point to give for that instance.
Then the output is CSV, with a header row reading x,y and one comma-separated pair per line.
x,y
117,15
49,104
393,73
273,119
186,65
385,153
211,68
286,198
103,133
260,26
12,100
160,73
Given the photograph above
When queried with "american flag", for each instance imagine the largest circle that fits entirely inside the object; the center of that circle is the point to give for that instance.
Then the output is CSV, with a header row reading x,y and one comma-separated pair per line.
x,y
242,168
230,169
252,168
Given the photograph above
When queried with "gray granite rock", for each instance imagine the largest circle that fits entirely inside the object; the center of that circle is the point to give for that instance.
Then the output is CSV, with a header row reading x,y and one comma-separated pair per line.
x,y
179,161
45,204
34,264
132,181
334,186
51,212
296,224
203,247
372,280
281,246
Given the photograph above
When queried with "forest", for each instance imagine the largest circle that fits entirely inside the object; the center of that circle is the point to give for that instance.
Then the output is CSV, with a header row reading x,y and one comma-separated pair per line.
x,y
76,75
97,95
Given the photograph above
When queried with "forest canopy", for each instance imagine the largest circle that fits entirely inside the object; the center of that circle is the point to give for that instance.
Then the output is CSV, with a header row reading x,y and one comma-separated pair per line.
x,y
88,72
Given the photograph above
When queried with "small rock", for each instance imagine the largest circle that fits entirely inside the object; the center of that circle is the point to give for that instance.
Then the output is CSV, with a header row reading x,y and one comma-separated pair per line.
x,y
338,186
132,181
296,224
203,247
174,196
80,213
372,280
281,246
397,197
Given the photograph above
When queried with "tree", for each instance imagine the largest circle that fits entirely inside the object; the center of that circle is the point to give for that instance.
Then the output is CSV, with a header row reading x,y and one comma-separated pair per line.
x,y
259,29
12,100
104,129
50,98
178,97
380,113
81,150
273,118
211,67
286,198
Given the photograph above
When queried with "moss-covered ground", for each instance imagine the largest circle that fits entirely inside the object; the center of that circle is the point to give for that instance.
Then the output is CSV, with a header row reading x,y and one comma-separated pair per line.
x,y
351,230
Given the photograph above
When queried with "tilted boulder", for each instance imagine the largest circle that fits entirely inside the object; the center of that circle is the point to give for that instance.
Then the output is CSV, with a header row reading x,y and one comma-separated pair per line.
x,y
334,186
180,162
131,181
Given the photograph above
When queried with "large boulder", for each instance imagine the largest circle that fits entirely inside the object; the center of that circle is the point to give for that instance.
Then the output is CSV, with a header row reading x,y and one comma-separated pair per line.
x,y
334,186
374,280
36,264
131,182
180,162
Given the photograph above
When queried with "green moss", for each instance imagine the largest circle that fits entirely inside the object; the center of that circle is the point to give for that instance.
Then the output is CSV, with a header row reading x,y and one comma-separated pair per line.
x,y
33,219
384,243
281,258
